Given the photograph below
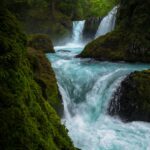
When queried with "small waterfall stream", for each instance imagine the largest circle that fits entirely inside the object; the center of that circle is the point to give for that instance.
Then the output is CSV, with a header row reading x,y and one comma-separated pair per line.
x,y
108,23
78,27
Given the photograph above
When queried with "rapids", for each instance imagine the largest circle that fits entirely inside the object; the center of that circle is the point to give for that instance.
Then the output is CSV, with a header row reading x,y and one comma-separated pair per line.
x,y
86,87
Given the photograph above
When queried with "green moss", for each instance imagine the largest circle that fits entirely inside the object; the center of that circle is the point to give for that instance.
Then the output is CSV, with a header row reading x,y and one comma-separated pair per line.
x,y
130,40
105,48
44,76
133,98
54,17
42,17
27,119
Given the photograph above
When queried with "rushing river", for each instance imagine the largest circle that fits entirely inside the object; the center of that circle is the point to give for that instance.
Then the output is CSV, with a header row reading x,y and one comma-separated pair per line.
x,y
87,87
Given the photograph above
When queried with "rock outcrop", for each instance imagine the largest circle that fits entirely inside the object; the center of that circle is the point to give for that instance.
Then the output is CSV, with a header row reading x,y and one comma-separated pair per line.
x,y
90,28
41,42
131,102
28,94
130,41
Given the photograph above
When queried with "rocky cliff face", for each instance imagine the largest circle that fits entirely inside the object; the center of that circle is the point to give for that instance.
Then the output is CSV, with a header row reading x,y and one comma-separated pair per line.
x,y
38,46
90,28
29,96
130,41
131,102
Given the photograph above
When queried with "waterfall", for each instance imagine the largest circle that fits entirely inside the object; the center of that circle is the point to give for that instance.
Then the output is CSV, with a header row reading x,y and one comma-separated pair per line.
x,y
87,87
78,27
108,23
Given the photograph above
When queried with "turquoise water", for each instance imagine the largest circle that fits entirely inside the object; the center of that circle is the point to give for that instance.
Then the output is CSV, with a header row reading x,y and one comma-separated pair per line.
x,y
87,87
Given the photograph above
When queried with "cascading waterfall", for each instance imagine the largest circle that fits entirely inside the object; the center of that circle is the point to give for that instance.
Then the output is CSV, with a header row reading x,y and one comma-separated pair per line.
x,y
78,27
108,23
86,87
77,37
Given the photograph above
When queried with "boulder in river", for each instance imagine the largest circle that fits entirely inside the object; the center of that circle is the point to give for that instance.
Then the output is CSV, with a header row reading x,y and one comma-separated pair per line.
x,y
131,102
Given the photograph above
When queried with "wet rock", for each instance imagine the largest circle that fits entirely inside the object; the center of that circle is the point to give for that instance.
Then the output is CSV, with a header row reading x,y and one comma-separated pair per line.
x,y
131,101
90,28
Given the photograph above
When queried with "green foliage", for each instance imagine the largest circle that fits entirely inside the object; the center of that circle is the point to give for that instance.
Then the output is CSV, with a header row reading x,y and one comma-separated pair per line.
x,y
55,16
27,120
99,7
44,76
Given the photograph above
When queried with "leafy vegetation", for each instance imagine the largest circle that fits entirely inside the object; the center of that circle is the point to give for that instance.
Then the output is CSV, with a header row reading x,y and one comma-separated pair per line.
x,y
54,17
99,7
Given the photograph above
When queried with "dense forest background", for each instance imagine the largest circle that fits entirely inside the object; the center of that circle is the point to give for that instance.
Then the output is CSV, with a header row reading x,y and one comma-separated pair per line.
x,y
55,16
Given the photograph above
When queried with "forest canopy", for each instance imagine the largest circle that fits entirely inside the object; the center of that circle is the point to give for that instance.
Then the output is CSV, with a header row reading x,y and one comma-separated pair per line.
x,y
73,8
55,16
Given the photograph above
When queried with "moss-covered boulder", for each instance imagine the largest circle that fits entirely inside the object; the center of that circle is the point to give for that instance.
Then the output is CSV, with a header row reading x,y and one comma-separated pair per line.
x,y
101,49
28,121
45,77
131,102
131,39
41,42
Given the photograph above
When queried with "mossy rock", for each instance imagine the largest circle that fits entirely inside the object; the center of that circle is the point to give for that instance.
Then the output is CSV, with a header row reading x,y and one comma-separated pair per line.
x,y
130,41
27,119
41,42
131,102
104,48
45,77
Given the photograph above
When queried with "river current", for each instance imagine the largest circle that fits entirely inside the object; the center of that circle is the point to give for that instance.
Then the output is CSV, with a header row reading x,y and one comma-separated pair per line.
x,y
87,87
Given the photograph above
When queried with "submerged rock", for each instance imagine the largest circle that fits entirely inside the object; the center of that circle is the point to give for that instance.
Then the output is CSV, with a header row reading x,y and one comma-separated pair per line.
x,y
63,50
131,102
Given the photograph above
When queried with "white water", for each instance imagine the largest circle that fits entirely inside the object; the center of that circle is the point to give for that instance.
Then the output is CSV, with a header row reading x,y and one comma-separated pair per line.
x,y
78,27
108,23
87,87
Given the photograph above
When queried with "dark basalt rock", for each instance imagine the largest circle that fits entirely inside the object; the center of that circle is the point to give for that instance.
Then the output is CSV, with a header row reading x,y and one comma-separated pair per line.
x,y
131,101
90,28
